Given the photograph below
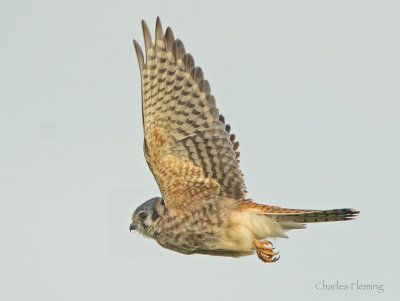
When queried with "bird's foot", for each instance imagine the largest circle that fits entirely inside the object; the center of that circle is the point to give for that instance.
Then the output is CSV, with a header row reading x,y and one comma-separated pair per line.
x,y
265,251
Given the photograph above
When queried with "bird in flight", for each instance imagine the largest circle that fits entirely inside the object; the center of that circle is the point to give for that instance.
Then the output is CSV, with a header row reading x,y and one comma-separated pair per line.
x,y
194,159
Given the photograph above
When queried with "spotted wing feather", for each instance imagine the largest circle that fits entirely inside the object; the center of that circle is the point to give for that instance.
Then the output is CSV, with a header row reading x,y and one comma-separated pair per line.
x,y
187,145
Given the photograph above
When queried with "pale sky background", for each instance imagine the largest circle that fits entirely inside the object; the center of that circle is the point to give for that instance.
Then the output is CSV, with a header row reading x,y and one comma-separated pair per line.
x,y
311,89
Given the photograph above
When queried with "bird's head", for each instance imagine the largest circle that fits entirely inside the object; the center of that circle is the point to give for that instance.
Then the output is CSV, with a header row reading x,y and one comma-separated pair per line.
x,y
146,216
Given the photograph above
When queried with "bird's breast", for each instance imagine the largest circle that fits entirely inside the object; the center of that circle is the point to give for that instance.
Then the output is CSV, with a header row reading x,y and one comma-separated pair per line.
x,y
191,230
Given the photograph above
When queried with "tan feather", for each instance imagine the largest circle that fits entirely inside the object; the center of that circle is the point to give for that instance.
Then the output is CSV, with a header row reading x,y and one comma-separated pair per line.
x,y
300,215
187,144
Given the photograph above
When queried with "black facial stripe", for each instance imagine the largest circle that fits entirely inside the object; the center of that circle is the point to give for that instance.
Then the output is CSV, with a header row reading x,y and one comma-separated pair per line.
x,y
154,215
143,224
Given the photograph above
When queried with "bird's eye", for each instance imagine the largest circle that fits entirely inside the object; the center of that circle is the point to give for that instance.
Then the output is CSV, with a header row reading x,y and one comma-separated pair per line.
x,y
162,202
143,215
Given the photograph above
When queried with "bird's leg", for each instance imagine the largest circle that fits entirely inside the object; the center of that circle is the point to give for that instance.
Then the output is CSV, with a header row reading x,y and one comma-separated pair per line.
x,y
265,251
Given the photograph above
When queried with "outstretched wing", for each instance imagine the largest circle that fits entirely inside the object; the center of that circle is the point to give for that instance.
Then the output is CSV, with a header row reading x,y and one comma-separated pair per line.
x,y
186,142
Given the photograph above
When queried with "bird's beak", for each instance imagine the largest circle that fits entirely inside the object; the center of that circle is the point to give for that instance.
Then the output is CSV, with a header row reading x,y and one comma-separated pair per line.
x,y
132,227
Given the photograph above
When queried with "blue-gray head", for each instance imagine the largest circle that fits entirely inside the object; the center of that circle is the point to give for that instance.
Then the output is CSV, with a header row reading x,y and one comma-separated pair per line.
x,y
147,215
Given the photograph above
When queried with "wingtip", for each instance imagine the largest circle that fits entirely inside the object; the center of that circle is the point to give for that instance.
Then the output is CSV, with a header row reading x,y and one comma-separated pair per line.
x,y
148,44
139,54
168,31
159,31
169,38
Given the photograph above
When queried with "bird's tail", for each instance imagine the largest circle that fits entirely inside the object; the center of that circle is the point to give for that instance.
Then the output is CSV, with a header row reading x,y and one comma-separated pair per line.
x,y
319,216
301,215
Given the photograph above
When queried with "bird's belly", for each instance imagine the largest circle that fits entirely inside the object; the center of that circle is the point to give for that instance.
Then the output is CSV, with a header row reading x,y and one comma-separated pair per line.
x,y
204,233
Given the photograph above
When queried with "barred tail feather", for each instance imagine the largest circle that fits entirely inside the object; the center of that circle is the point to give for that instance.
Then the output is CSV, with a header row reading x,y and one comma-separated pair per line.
x,y
318,216
299,215
272,221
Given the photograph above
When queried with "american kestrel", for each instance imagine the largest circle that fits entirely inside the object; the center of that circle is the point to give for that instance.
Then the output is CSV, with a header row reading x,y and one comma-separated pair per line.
x,y
194,159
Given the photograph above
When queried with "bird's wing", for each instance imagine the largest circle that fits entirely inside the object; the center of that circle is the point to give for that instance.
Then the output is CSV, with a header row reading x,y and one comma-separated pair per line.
x,y
187,145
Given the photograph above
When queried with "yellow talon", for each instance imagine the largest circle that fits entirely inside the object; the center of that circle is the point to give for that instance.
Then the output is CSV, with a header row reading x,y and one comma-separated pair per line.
x,y
265,251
